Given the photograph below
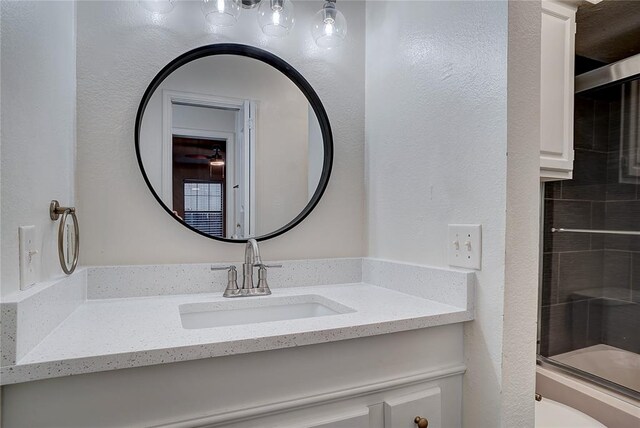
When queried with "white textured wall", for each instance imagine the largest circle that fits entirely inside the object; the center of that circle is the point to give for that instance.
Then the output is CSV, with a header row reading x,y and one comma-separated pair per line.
x,y
38,128
121,47
436,145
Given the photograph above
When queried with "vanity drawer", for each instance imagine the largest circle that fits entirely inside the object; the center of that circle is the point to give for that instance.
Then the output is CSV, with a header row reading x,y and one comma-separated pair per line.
x,y
401,411
356,419
336,415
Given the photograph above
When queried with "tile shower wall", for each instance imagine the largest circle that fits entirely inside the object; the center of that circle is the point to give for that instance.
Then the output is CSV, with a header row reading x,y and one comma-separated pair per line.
x,y
591,283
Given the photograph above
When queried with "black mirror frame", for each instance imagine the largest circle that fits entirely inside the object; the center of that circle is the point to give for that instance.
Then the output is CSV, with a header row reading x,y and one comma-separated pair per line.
x,y
280,65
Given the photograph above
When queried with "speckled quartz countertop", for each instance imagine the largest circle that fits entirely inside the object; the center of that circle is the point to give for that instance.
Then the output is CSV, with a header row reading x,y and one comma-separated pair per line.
x,y
109,334
114,317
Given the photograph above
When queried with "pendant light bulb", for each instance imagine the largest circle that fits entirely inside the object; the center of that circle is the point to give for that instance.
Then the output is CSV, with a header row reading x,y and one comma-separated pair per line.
x,y
221,13
275,17
329,27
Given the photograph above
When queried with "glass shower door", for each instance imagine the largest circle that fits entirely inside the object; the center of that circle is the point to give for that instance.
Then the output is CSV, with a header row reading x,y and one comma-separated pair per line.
x,y
590,281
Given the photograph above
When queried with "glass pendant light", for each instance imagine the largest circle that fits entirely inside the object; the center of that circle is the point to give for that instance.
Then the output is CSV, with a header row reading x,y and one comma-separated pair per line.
x,y
275,17
249,4
157,6
221,13
329,27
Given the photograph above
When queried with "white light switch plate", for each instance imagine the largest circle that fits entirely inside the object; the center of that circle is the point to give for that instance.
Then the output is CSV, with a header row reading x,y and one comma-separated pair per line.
x,y
464,247
28,256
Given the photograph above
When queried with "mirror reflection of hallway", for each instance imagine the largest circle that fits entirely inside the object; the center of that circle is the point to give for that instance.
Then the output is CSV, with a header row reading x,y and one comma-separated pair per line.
x,y
199,183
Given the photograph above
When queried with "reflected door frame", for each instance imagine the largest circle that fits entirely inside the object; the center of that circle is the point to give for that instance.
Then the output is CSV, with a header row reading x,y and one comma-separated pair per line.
x,y
238,168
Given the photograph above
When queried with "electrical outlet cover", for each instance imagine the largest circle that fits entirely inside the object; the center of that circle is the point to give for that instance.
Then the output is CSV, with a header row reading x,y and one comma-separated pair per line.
x,y
464,246
28,256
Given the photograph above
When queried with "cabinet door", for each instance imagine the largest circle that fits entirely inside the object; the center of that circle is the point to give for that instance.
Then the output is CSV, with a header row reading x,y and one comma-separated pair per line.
x,y
400,412
556,90
356,419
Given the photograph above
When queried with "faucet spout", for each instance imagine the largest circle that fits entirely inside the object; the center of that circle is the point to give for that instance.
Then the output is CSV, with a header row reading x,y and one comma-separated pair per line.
x,y
251,259
252,253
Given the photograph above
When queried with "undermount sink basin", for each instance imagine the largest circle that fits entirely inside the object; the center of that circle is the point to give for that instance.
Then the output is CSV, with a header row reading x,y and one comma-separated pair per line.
x,y
257,310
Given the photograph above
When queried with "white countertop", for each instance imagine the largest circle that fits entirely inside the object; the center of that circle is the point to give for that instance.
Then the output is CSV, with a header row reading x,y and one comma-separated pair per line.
x,y
109,334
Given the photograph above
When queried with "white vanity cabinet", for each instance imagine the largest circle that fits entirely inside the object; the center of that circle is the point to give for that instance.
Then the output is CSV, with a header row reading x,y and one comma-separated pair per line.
x,y
397,408
557,90
382,381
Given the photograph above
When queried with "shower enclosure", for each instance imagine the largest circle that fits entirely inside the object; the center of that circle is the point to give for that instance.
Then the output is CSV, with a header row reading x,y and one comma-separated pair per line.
x,y
590,278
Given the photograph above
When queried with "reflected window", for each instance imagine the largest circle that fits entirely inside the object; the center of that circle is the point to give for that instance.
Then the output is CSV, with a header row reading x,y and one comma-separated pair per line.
x,y
203,206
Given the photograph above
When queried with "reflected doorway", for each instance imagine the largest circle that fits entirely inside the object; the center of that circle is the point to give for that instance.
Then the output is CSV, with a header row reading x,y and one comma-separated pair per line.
x,y
199,183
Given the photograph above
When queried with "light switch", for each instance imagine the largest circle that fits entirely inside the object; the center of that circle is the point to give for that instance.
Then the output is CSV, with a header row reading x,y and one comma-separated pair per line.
x,y
28,255
464,245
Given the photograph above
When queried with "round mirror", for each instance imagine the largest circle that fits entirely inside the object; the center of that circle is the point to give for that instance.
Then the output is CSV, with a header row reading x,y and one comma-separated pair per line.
x,y
234,143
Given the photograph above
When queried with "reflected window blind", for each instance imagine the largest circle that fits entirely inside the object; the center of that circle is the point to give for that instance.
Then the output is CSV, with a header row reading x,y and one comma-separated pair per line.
x,y
203,205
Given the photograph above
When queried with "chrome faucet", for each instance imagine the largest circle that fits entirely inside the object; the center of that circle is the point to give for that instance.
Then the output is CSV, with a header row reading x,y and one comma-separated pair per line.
x,y
251,260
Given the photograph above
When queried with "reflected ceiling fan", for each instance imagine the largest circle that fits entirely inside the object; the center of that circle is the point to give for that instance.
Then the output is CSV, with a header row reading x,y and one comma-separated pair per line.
x,y
214,160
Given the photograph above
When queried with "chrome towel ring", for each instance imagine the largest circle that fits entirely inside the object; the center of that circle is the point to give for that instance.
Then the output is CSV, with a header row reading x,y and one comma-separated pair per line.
x,y
55,211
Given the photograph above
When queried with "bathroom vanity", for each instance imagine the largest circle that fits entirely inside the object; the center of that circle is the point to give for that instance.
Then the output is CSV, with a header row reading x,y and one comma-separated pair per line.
x,y
368,344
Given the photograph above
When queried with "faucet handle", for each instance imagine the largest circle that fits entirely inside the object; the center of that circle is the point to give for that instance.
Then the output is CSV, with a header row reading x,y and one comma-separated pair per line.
x,y
263,287
268,265
232,280
230,267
